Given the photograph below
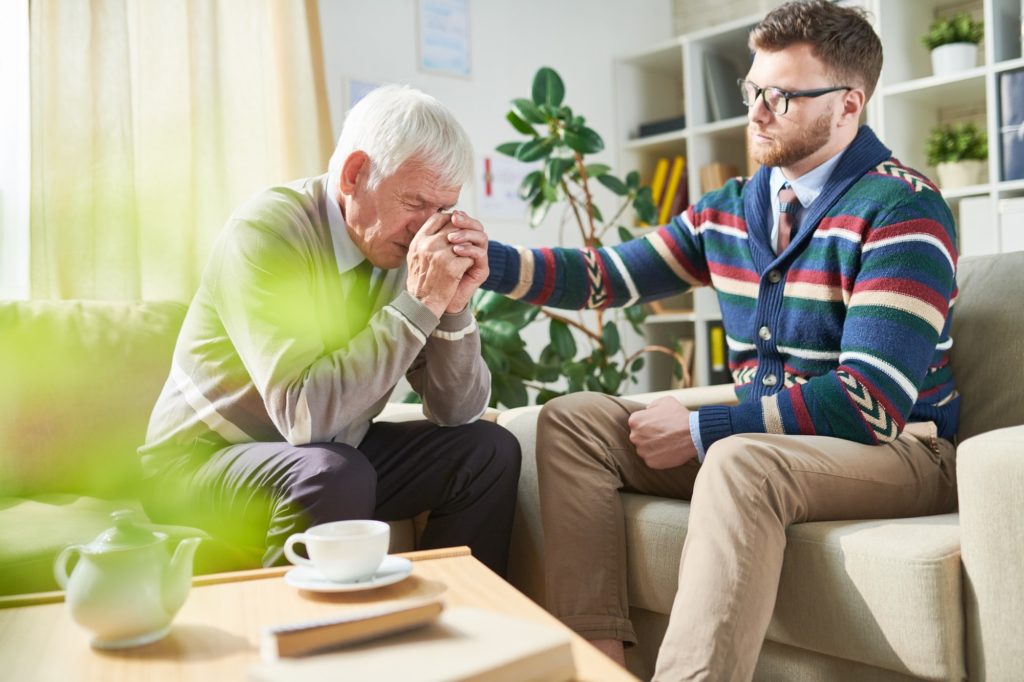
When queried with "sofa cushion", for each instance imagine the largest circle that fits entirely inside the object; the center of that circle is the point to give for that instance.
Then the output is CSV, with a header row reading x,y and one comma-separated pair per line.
x,y
988,342
79,380
883,593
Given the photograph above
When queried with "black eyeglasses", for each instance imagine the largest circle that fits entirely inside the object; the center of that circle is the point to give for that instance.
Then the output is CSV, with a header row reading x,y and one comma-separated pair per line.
x,y
777,100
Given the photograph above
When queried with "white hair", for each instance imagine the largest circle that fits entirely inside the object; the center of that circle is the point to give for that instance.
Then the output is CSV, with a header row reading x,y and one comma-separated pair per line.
x,y
395,123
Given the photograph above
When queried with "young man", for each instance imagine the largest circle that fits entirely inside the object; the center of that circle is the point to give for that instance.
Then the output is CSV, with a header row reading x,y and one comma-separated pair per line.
x,y
318,297
837,311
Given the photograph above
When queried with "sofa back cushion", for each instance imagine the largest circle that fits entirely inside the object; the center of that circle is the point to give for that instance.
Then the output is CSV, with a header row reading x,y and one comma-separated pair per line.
x,y
78,380
988,342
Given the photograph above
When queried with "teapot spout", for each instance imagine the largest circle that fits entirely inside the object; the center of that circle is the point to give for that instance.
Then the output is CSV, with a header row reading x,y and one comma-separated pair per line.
x,y
178,578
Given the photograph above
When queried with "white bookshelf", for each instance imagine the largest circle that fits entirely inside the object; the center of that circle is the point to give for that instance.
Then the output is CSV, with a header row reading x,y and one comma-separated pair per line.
x,y
668,80
911,101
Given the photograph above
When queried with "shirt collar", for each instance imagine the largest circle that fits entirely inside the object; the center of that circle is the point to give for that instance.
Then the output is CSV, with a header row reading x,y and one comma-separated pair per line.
x,y
809,185
346,253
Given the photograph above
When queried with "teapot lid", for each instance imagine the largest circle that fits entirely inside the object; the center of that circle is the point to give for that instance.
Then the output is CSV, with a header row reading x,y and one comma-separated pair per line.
x,y
126,534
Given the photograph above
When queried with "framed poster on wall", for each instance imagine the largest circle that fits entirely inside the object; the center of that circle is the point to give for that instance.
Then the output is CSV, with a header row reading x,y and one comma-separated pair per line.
x,y
443,36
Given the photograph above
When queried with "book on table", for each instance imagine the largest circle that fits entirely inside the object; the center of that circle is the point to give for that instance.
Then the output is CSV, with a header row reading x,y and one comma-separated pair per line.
x,y
462,644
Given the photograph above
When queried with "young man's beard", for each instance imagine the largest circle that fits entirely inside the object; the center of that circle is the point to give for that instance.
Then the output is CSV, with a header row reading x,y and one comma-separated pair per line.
x,y
783,154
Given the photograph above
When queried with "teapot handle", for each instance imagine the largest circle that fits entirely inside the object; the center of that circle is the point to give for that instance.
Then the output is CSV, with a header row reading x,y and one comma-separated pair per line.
x,y
60,565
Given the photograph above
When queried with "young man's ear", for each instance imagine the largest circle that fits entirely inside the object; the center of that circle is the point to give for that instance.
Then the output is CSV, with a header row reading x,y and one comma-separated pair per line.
x,y
356,167
853,105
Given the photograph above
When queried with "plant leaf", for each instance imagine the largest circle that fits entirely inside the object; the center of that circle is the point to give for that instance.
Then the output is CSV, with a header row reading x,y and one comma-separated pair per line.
x,y
633,179
557,168
544,395
508,148
520,364
614,184
625,235
538,211
584,140
596,170
520,125
537,148
529,111
637,365
562,339
510,391
610,380
610,334
548,87
596,212
530,186
643,204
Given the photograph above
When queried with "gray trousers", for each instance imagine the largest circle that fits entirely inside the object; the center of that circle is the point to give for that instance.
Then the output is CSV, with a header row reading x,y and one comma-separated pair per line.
x,y
255,495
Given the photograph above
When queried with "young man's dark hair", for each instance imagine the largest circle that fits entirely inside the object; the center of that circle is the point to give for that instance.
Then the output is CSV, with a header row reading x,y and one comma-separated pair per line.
x,y
841,37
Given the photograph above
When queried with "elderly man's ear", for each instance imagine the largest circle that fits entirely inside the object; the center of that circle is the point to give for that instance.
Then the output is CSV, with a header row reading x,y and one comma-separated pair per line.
x,y
356,164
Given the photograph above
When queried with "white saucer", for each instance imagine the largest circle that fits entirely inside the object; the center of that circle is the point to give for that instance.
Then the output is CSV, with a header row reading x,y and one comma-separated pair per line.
x,y
392,570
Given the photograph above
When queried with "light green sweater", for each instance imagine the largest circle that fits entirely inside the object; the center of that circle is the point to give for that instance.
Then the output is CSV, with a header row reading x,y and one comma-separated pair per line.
x,y
265,355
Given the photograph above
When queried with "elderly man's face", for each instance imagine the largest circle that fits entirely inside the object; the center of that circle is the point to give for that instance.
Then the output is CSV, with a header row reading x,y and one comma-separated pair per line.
x,y
383,221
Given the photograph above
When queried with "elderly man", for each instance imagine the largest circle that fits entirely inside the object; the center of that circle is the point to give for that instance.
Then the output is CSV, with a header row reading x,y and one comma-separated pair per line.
x,y
318,298
835,271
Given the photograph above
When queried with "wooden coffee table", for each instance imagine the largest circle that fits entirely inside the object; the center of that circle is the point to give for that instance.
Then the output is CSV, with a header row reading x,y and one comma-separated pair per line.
x,y
216,635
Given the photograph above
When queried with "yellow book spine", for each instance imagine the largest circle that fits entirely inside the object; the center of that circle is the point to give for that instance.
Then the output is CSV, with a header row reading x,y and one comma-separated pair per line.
x,y
671,189
658,184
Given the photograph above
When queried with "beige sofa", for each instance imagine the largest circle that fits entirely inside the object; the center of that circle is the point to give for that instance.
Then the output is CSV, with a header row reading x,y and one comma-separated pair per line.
x,y
935,598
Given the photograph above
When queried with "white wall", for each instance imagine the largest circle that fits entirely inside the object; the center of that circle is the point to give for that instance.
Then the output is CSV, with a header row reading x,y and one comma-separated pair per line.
x,y
375,41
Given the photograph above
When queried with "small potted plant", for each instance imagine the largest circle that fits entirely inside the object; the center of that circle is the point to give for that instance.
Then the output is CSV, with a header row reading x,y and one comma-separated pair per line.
x,y
954,43
958,152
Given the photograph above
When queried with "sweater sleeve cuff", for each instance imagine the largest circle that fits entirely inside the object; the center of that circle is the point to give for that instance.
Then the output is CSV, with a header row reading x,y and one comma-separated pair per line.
x,y
502,261
714,424
455,326
417,313
720,421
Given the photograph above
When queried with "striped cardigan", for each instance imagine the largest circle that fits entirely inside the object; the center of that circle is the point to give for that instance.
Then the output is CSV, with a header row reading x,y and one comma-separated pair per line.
x,y
843,334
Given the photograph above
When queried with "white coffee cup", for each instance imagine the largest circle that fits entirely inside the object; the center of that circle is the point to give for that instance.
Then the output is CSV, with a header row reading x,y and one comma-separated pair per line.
x,y
342,551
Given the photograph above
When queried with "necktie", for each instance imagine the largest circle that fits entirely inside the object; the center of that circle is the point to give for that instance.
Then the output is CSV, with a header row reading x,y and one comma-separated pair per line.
x,y
788,206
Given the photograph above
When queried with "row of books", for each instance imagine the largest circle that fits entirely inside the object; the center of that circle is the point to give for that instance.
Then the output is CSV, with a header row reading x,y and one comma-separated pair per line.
x,y
670,187
670,184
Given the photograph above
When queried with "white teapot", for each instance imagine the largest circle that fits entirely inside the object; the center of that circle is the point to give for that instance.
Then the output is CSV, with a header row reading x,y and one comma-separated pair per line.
x,y
126,588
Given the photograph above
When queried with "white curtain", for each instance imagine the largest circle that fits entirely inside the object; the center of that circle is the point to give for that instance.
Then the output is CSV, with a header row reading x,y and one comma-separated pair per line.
x,y
151,121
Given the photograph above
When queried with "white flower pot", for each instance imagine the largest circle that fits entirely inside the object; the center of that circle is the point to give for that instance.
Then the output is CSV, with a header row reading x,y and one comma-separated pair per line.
x,y
960,173
954,57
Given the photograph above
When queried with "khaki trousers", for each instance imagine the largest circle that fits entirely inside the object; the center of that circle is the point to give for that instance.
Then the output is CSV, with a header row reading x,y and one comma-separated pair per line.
x,y
749,489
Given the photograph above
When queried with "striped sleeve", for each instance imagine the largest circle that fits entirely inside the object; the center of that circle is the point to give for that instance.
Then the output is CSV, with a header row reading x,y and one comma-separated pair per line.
x,y
897,317
667,261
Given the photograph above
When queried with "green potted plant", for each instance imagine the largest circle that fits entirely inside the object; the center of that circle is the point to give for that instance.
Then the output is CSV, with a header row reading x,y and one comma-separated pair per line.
x,y
954,43
558,140
958,152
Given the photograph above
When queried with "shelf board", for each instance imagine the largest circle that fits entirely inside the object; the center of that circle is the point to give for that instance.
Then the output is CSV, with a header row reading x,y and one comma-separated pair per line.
x,y
656,141
1009,65
662,318
969,191
728,125
962,81
1010,186
681,316
666,56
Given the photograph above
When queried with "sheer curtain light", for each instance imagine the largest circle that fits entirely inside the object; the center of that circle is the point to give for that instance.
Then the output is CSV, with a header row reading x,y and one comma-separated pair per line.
x,y
151,123
14,149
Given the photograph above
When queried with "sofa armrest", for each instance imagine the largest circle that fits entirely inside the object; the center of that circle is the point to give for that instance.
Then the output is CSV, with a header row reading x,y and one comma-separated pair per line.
x,y
990,473
526,563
